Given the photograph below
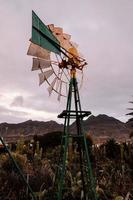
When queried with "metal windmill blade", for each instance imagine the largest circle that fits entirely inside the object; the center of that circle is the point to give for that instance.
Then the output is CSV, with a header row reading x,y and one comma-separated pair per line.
x,y
40,64
37,51
51,87
43,76
64,39
59,95
71,49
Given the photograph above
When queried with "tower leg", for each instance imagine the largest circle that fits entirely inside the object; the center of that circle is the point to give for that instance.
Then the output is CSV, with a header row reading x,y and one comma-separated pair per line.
x,y
64,146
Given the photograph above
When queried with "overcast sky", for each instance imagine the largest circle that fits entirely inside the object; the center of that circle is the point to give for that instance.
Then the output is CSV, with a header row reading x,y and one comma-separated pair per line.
x,y
104,31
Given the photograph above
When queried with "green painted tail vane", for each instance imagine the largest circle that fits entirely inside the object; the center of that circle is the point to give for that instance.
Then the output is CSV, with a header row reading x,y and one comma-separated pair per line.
x,y
42,36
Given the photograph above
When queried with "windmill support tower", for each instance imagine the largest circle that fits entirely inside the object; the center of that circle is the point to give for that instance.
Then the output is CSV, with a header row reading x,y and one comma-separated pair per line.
x,y
88,183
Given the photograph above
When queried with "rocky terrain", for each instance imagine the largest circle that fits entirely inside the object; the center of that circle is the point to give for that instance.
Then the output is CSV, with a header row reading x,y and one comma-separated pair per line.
x,y
101,127
11,132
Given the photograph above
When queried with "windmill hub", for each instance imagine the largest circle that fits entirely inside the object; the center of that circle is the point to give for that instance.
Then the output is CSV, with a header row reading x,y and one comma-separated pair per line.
x,y
63,64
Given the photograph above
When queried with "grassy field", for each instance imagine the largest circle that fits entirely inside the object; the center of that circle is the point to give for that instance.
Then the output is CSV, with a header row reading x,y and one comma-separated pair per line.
x,y
112,165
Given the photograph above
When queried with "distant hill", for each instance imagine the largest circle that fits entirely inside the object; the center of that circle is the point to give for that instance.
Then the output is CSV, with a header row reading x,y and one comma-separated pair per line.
x,y
101,126
104,127
28,129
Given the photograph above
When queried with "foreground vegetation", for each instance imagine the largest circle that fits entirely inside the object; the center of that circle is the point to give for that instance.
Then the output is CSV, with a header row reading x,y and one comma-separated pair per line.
x,y
112,166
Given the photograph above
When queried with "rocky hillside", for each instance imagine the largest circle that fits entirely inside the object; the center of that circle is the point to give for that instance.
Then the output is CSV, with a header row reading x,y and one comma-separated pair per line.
x,y
104,125
101,126
28,129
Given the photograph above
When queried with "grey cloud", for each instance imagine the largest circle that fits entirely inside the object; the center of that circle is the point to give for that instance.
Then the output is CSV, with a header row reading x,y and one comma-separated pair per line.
x,y
10,116
6,111
44,103
17,101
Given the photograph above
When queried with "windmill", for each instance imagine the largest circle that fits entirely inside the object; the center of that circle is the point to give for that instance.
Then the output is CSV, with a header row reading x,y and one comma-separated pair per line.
x,y
60,65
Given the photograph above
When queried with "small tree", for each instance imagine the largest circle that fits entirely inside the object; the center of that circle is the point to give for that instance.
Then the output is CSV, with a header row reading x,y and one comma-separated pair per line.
x,y
112,149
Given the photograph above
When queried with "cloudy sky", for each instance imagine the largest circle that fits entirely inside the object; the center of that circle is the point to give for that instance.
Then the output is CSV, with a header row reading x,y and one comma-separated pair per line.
x,y
104,31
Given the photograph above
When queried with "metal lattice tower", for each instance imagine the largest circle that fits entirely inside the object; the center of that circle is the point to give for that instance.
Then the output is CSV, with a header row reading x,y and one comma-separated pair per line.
x,y
88,183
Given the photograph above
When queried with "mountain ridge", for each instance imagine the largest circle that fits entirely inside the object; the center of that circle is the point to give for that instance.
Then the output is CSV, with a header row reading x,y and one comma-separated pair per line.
x,y
101,126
